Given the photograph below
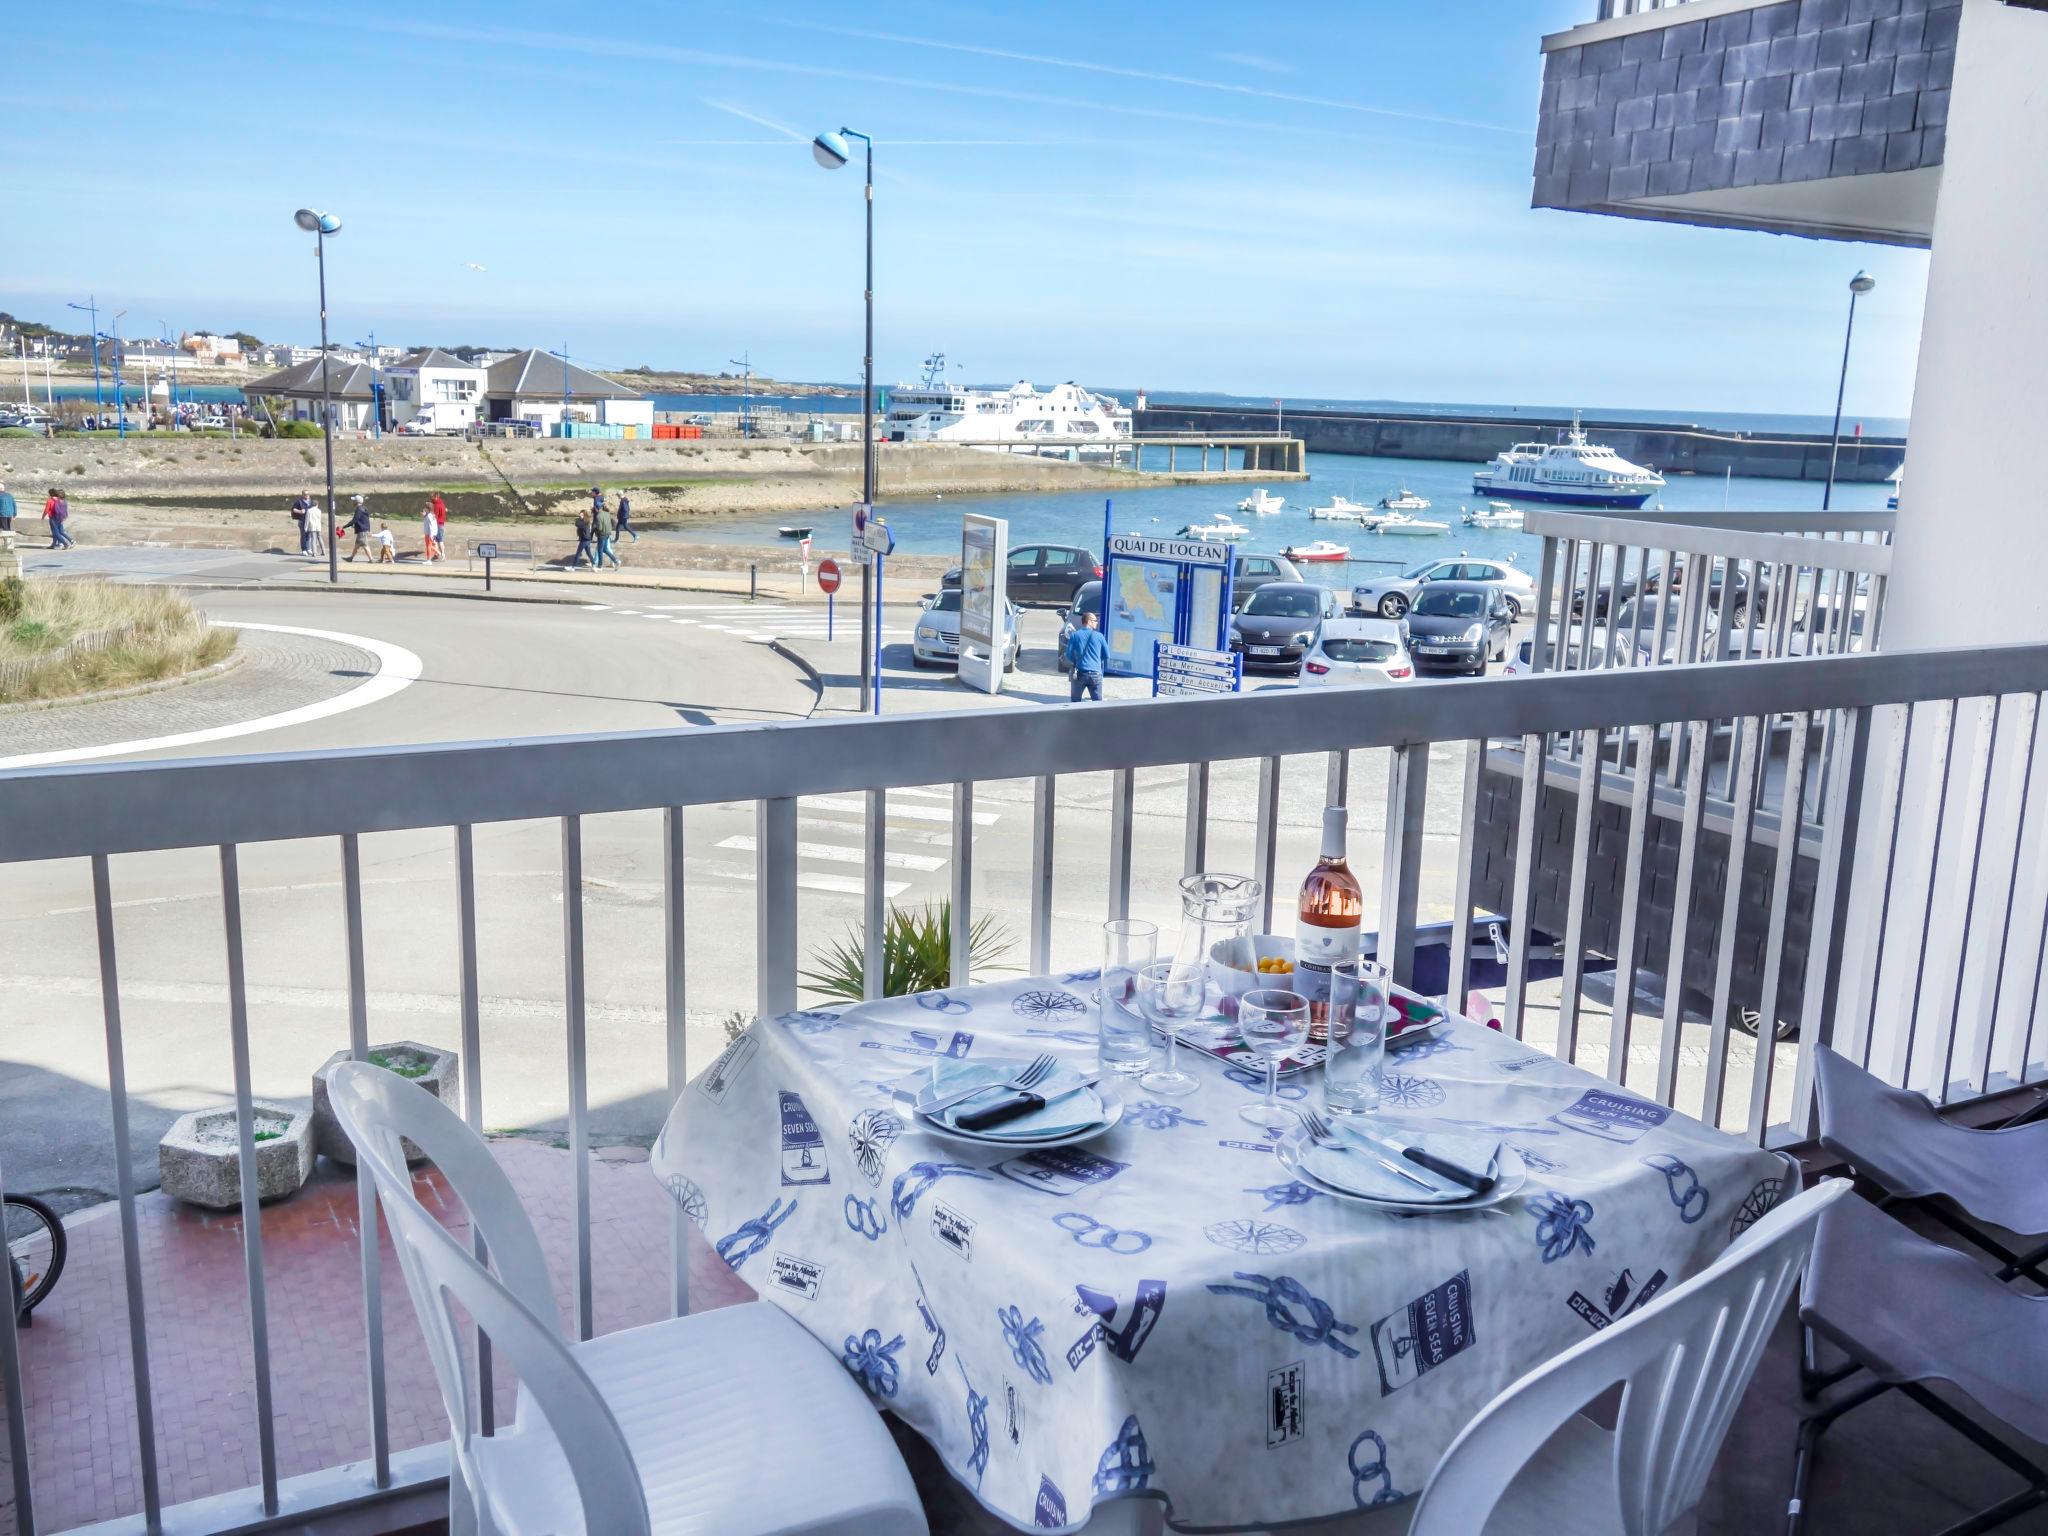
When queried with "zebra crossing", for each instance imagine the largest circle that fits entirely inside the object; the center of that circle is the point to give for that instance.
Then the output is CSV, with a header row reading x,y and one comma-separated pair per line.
x,y
760,621
832,833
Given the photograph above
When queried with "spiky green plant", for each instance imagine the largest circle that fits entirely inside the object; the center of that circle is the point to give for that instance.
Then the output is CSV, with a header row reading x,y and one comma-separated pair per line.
x,y
917,953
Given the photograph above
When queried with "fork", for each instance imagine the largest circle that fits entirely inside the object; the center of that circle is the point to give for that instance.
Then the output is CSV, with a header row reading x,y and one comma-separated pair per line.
x,y
1320,1133
1034,1072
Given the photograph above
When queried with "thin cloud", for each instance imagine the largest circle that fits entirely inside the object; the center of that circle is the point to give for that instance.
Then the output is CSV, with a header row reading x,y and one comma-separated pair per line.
x,y
759,121
1259,62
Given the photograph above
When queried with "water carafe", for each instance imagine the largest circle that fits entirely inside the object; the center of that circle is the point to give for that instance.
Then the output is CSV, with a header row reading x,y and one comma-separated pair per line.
x,y
1215,933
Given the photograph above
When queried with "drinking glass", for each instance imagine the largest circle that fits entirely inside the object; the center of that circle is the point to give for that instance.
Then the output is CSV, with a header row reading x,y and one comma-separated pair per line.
x,y
1128,946
1357,1045
1165,1002
1272,1023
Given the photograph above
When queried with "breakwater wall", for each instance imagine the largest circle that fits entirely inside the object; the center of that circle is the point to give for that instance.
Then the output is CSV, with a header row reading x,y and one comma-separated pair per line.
x,y
1672,450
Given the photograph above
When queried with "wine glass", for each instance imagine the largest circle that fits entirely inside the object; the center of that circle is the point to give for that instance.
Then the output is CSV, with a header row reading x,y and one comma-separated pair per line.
x,y
1165,1002
1272,1022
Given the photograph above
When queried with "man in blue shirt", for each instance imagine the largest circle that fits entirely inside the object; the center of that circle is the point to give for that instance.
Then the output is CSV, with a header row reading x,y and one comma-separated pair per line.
x,y
1087,652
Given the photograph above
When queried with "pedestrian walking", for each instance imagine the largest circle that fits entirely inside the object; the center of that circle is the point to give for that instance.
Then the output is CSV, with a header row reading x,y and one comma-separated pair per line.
x,y
625,514
584,555
596,499
605,527
387,546
430,535
440,507
7,509
359,525
309,527
1087,654
57,512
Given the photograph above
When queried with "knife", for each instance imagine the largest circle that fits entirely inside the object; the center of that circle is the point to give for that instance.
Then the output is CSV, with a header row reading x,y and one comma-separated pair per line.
x,y
1422,1157
1003,1110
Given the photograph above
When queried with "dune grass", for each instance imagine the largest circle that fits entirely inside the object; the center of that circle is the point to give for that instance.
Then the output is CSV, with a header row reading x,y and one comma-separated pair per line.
x,y
59,638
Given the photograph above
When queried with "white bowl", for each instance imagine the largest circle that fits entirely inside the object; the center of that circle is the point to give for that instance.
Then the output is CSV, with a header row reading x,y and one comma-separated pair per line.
x,y
1232,982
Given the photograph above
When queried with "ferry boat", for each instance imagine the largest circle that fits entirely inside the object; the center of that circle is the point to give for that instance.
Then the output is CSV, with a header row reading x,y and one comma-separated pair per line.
x,y
1065,421
1575,471
1341,509
1318,550
1262,503
1404,500
1495,514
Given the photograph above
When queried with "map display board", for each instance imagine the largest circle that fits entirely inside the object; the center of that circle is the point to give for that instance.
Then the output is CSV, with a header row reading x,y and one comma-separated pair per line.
x,y
1163,592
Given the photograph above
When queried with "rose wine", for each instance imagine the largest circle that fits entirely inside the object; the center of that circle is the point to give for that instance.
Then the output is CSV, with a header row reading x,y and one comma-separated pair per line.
x,y
1327,921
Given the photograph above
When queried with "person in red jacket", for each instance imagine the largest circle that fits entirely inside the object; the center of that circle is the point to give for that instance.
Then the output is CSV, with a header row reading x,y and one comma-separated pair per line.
x,y
57,511
440,527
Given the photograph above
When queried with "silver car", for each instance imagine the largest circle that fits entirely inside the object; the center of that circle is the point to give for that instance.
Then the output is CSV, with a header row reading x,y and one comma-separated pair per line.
x,y
1391,596
936,641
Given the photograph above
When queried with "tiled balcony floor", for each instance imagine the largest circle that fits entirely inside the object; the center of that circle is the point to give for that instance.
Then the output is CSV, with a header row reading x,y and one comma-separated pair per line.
x,y
1885,1469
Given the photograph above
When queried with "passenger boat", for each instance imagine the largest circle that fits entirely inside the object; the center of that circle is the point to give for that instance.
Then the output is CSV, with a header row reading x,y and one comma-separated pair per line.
x,y
1575,471
1340,509
1404,500
1318,550
1065,421
1495,514
1401,522
1262,503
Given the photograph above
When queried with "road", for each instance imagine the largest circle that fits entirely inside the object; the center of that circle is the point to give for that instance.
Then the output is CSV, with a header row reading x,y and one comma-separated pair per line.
x,y
623,659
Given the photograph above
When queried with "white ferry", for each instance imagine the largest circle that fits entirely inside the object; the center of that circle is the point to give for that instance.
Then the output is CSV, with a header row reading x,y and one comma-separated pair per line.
x,y
1575,471
1065,421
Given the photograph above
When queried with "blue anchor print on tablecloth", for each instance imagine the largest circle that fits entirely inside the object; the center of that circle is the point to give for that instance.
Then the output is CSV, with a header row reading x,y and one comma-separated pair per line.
x,y
940,1002
1249,1236
1687,1193
977,1427
862,1217
1048,1005
1126,1467
1090,1233
1070,978
1411,1092
752,1235
1293,1192
1255,1082
872,1362
1561,1224
1279,1295
913,1181
1363,1476
810,1021
1159,1117
1023,1337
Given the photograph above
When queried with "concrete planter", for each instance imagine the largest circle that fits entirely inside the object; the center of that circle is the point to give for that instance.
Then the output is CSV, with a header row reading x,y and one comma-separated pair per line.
x,y
436,1070
199,1158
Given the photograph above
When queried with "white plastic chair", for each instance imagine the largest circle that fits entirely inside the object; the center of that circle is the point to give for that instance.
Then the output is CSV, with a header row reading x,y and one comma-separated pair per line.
x,y
722,1423
1531,1462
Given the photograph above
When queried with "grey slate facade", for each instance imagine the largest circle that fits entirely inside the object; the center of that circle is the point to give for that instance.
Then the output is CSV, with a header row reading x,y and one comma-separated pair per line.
x,y
1796,91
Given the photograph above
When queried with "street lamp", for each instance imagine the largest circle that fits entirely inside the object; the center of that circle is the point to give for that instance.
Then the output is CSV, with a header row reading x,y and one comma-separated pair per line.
x,y
172,365
92,308
320,226
120,384
376,388
830,151
1860,284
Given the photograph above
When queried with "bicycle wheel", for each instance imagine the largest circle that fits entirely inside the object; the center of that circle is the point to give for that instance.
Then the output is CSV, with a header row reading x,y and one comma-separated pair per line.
x,y
35,1245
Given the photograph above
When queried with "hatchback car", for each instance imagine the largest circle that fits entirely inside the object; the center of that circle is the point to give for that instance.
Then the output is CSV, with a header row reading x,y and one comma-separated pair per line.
x,y
1087,600
1251,572
1459,625
1279,623
1350,652
1042,575
936,641
1392,596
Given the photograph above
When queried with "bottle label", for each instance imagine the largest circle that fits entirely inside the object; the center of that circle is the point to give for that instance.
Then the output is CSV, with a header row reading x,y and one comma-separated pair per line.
x,y
1326,947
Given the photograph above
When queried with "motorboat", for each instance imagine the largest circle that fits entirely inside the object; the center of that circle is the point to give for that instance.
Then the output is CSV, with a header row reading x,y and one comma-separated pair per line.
x,y
1404,500
1495,514
1262,503
1401,522
1574,471
1318,550
1340,509
795,532
1222,531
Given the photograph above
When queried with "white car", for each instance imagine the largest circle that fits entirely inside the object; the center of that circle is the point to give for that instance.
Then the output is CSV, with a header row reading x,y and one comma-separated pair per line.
x,y
936,641
1351,652
1391,596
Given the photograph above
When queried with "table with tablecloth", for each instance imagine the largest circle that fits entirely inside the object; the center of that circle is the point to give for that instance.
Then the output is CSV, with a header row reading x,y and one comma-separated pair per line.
x,y
1165,1311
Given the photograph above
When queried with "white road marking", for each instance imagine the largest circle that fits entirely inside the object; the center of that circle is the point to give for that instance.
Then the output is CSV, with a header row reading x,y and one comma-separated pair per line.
x,y
926,794
919,835
914,812
837,885
597,607
397,669
833,853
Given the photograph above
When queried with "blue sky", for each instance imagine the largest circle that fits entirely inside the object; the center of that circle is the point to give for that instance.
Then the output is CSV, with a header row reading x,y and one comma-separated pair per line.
x,y
1309,199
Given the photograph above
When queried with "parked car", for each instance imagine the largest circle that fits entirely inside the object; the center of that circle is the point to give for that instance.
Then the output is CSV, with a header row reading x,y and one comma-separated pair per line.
x,y
1459,625
936,641
1611,593
1087,600
1635,624
1392,596
1042,575
1278,625
1564,653
1251,572
1349,652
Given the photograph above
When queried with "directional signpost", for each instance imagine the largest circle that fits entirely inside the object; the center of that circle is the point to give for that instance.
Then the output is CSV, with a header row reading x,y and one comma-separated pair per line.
x,y
486,553
1190,671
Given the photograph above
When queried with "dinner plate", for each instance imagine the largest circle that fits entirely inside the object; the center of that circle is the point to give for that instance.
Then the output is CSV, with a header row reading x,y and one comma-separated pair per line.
x,y
1514,1173
1112,1112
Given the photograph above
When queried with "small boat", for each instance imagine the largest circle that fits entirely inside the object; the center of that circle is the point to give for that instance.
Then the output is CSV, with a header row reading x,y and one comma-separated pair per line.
x,y
1495,514
1401,522
1262,503
1222,531
1318,550
1404,500
794,533
1341,509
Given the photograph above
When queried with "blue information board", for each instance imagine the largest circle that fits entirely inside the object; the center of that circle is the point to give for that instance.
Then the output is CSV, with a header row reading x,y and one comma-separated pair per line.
x,y
1163,592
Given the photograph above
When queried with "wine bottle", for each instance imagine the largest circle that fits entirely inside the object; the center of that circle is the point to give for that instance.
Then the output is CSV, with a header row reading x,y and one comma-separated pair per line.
x,y
1327,921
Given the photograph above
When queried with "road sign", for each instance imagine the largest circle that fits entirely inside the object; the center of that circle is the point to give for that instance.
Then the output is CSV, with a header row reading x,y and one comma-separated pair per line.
x,y
828,576
1182,671
876,538
1180,551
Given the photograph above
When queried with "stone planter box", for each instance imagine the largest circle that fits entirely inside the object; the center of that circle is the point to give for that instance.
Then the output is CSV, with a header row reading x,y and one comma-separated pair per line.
x,y
436,1070
199,1158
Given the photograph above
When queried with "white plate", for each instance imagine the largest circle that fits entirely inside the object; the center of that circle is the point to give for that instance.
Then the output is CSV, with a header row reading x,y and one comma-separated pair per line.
x,y
1514,1173
1112,1112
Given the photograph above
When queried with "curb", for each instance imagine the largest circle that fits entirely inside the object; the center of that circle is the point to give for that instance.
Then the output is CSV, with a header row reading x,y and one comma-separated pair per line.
x,y
220,668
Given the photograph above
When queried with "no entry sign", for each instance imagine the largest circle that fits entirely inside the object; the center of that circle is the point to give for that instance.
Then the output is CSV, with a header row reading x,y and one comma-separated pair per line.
x,y
828,576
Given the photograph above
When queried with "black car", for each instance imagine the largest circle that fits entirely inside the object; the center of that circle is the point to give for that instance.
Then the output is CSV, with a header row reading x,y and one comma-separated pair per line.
x,y
1278,624
1459,626
1042,575
1251,572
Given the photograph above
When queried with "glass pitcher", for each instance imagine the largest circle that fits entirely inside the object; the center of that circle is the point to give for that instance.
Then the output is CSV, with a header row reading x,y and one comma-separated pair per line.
x,y
1215,945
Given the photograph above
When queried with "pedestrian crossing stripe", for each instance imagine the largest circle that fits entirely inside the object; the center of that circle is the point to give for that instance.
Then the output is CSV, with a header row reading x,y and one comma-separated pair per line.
x,y
836,885
834,853
913,812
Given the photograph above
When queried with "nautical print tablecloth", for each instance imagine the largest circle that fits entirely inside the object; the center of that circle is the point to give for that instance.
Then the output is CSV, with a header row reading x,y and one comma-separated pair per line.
x,y
1164,1312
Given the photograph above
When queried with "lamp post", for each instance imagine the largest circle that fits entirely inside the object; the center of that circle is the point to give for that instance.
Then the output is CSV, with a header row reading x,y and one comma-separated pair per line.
x,y
172,365
92,308
1860,284
320,226
376,389
120,384
746,367
830,151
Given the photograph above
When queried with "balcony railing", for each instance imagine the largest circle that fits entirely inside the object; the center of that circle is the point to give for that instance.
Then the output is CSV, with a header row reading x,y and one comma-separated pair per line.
x,y
1848,713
